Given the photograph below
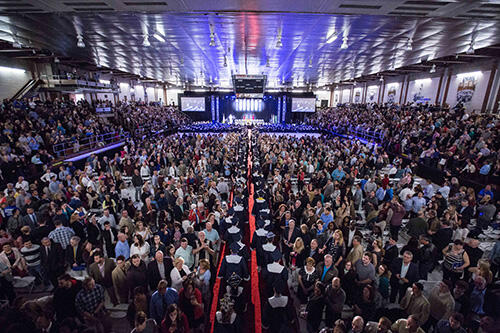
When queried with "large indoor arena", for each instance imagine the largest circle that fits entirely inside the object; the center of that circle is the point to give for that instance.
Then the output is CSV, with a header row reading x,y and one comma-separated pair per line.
x,y
223,166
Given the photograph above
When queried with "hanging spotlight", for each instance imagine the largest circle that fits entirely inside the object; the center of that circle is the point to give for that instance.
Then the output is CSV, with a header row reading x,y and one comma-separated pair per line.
x,y
212,39
146,42
310,63
355,83
159,37
381,78
279,44
267,63
433,69
344,43
470,50
56,60
409,44
225,61
80,43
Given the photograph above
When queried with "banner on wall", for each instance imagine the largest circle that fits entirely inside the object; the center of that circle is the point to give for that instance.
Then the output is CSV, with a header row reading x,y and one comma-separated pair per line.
x,y
418,97
466,89
371,95
357,96
391,94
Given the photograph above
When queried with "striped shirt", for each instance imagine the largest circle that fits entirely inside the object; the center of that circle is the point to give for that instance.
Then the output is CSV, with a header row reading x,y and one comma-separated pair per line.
x,y
31,255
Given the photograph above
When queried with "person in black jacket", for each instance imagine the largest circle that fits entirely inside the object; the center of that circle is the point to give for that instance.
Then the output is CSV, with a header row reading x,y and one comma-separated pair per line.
x,y
404,274
391,252
50,258
425,256
109,239
137,274
442,238
137,182
64,297
159,269
73,254
465,212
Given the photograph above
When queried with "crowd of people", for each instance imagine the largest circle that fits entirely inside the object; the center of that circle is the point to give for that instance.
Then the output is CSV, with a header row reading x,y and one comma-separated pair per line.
x,y
452,140
34,134
365,251
347,238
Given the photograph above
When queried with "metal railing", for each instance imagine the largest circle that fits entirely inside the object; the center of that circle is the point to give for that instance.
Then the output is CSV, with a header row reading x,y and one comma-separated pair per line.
x,y
77,145
366,133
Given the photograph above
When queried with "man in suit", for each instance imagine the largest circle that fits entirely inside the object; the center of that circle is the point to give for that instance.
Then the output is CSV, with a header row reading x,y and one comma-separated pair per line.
x,y
50,257
465,212
159,269
101,271
404,274
31,218
73,254
109,238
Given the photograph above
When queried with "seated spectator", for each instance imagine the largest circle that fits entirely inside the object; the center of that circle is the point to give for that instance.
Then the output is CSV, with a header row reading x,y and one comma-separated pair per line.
x,y
12,258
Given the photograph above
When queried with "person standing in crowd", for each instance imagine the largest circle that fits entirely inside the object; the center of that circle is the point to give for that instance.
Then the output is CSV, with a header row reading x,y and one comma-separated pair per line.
x,y
403,274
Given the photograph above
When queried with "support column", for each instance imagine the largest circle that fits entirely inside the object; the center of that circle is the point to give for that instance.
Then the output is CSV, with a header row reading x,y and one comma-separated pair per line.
x,y
447,88
488,88
406,89
439,88
331,96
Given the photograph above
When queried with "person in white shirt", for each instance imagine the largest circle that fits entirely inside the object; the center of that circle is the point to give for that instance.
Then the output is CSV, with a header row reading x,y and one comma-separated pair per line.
x,y
47,176
22,184
107,217
141,248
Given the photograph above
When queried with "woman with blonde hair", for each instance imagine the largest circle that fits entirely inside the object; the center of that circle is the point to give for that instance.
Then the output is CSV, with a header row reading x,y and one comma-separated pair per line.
x,y
336,247
298,254
179,273
482,269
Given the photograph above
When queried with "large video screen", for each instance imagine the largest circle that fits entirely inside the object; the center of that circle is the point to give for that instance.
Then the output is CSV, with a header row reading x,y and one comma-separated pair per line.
x,y
303,104
193,104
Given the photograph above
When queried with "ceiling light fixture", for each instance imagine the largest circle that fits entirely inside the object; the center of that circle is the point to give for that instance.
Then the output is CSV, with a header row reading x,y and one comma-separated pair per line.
x,y
146,42
267,63
381,78
212,35
159,37
344,43
310,63
56,60
279,44
409,44
225,61
433,69
212,39
470,50
80,43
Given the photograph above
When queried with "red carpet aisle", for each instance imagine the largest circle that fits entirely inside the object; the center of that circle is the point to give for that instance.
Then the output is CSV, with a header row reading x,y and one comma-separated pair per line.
x,y
254,274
